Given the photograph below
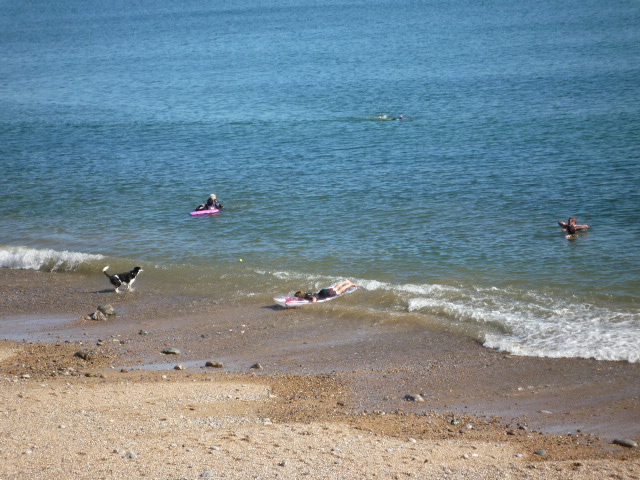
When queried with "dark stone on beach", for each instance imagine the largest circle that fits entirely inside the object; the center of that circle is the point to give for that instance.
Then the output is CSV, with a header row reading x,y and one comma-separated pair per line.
x,y
178,367
542,453
107,309
171,351
414,398
625,442
256,366
214,364
143,332
84,355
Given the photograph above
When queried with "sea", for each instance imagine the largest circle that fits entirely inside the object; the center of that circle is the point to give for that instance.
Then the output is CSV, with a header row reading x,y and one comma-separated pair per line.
x,y
118,118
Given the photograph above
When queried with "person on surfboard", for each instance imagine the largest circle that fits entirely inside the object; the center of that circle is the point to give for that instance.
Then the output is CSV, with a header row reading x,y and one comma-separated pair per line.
x,y
211,203
339,289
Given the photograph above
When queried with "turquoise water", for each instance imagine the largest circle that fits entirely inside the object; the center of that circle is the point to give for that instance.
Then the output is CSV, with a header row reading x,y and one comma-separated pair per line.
x,y
117,120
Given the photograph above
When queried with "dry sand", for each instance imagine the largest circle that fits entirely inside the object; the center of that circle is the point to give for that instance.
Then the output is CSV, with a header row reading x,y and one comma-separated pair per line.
x,y
328,402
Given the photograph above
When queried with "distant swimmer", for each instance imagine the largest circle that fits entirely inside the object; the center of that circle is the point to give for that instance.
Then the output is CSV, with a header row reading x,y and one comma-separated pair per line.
x,y
388,117
571,227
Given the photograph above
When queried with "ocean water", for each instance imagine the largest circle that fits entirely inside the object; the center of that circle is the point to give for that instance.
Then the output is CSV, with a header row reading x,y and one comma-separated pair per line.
x,y
117,119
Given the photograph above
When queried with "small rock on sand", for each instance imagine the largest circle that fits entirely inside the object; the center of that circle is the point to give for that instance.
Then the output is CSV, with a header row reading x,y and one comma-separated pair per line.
x,y
213,364
625,442
84,355
98,316
171,351
414,398
107,309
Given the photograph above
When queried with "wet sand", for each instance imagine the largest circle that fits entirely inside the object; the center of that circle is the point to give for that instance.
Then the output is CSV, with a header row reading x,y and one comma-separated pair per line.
x,y
329,401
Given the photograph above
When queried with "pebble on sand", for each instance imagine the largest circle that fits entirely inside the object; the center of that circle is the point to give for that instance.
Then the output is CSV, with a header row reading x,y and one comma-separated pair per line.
x,y
106,309
625,442
84,355
213,364
414,398
97,315
171,351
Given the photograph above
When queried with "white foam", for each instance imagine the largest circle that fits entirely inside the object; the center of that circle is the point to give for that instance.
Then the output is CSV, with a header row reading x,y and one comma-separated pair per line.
x,y
25,258
319,281
535,324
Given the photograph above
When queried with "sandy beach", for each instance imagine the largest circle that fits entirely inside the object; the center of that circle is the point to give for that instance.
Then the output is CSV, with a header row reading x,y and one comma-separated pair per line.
x,y
288,394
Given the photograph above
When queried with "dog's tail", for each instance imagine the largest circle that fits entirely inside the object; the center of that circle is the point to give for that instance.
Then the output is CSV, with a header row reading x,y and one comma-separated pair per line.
x,y
104,270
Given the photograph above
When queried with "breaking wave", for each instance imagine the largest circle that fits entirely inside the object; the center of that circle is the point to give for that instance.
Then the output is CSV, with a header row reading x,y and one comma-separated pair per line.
x,y
535,323
25,258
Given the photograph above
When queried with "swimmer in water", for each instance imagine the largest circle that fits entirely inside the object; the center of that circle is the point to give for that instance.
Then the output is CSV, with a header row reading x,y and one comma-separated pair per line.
x,y
571,227
387,117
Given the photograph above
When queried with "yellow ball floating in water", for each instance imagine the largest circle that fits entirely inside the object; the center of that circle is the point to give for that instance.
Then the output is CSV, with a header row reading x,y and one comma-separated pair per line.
x,y
241,260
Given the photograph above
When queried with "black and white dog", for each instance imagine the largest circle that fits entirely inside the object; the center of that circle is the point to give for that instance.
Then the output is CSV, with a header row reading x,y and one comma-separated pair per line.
x,y
119,279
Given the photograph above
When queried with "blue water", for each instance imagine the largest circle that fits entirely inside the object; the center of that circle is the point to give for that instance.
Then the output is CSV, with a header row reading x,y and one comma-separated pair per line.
x,y
117,119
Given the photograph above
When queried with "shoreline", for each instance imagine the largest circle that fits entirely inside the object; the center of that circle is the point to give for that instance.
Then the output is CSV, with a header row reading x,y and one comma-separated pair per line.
x,y
323,372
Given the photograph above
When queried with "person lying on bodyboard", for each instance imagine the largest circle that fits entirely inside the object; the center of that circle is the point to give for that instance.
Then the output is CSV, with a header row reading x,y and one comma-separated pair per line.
x,y
329,292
